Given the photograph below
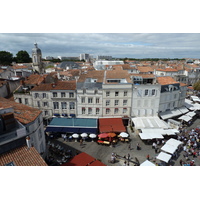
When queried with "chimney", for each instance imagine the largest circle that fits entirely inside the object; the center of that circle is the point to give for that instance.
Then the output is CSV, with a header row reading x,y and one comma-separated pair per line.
x,y
28,142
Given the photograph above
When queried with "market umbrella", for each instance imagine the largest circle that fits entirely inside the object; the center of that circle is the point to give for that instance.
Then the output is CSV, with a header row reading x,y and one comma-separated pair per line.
x,y
103,135
84,135
111,134
75,135
92,135
123,134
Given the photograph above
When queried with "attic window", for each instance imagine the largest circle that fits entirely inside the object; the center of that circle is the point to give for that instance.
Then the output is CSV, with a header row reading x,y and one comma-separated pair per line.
x,y
10,164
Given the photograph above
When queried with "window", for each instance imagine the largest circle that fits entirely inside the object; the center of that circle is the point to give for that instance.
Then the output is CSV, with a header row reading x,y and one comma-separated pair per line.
x,y
54,94
107,102
125,93
46,113
125,102
97,111
38,103
153,92
89,100
20,100
36,95
83,111
82,99
89,110
62,94
107,94
26,101
55,105
146,92
107,110
116,102
124,110
44,95
116,94
45,104
71,95
97,100
63,105
71,105
116,110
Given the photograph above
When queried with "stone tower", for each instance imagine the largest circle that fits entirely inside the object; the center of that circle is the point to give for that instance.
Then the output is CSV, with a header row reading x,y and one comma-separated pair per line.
x,y
37,59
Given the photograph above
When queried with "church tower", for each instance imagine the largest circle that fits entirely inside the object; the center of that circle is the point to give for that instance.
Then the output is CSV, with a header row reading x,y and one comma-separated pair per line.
x,y
37,59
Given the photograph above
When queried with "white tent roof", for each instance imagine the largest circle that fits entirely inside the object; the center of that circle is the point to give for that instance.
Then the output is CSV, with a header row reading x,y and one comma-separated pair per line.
x,y
191,114
147,163
171,145
170,131
164,157
185,118
183,110
151,134
149,122
169,114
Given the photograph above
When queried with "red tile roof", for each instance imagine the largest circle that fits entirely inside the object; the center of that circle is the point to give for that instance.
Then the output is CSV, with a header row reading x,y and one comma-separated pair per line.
x,y
167,70
22,113
59,85
83,159
145,69
34,79
182,84
19,67
144,75
166,80
22,156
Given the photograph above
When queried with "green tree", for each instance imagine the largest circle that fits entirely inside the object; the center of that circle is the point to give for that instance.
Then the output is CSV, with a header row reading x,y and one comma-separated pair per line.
x,y
6,58
196,85
23,57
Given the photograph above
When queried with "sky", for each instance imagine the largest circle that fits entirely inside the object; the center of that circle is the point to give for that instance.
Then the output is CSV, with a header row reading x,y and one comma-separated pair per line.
x,y
120,45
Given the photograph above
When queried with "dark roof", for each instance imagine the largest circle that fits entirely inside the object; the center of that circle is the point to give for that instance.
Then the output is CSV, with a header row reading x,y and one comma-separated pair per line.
x,y
70,64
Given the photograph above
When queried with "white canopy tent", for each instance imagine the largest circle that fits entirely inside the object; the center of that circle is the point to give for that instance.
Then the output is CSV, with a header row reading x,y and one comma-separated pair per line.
x,y
170,131
183,110
147,163
186,118
191,114
171,146
149,122
164,157
170,114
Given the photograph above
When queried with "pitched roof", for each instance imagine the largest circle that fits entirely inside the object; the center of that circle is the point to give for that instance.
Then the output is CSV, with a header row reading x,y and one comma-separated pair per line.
x,y
19,67
34,79
118,74
167,70
144,75
145,69
99,75
59,85
183,84
22,156
22,113
166,80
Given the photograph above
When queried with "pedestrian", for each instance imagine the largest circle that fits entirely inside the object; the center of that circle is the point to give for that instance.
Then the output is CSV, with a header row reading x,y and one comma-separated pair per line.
x,y
156,149
64,137
181,162
128,156
124,163
148,157
138,146
81,142
129,146
153,145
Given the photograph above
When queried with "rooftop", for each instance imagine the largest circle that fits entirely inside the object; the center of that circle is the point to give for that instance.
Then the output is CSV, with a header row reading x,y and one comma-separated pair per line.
x,y
22,113
22,156
34,79
59,85
166,80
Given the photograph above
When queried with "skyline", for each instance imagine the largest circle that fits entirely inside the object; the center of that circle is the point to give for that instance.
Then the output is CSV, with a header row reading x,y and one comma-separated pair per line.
x,y
118,45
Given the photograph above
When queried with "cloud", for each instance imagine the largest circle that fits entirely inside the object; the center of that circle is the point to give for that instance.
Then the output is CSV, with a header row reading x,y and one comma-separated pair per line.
x,y
136,45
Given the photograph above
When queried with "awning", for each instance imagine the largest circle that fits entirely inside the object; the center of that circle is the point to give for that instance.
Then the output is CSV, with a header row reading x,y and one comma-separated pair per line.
x,y
149,122
151,134
170,132
164,157
183,110
186,118
170,114
147,163
171,145
191,114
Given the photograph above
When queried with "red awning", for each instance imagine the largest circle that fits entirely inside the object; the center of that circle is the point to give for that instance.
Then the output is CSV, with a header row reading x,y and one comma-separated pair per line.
x,y
111,125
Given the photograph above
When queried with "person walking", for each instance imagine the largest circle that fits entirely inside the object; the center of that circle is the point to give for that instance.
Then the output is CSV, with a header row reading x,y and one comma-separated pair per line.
x,y
148,157
138,146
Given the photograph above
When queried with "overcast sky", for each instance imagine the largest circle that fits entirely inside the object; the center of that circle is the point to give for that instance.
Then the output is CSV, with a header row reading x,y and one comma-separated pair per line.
x,y
134,45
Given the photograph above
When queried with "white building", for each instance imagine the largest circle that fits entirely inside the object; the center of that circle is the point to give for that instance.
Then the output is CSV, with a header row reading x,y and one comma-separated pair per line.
x,y
145,100
85,56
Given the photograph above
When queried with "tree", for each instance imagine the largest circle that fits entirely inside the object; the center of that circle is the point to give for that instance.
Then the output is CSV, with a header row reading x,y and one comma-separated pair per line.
x,y
6,58
196,85
23,57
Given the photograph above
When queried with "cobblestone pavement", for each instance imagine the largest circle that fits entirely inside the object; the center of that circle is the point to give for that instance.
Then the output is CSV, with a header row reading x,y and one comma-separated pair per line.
x,y
103,153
